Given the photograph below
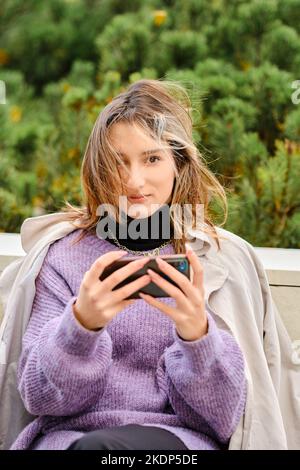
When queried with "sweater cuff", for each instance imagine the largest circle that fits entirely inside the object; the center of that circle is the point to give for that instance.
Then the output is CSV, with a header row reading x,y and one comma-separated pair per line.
x,y
72,337
202,352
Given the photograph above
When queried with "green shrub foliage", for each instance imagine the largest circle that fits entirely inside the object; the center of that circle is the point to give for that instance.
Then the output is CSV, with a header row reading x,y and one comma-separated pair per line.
x,y
62,61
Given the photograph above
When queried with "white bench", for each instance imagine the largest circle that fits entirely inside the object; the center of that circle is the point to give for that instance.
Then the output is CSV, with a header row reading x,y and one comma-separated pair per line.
x,y
282,267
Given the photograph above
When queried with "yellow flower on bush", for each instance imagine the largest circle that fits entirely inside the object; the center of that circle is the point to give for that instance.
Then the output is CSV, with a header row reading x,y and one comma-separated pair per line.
x,y
66,87
59,184
245,65
15,114
90,103
280,126
4,57
37,201
160,17
73,152
41,170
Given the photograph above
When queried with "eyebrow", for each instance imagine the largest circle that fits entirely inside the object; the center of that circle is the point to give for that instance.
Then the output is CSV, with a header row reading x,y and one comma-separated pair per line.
x,y
146,152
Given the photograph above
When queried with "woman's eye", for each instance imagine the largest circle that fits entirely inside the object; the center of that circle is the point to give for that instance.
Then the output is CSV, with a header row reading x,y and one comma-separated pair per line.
x,y
152,159
157,158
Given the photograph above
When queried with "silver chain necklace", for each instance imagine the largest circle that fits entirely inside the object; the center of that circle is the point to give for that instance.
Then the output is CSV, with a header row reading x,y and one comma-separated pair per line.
x,y
154,252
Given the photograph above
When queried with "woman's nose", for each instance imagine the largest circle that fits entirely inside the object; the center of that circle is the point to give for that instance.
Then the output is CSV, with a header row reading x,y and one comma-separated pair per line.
x,y
135,177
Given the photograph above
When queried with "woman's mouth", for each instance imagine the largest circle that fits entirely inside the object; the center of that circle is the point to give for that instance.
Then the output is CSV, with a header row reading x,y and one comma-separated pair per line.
x,y
138,198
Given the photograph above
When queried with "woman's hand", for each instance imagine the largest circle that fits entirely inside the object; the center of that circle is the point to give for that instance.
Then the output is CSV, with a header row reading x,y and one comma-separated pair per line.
x,y
97,302
189,315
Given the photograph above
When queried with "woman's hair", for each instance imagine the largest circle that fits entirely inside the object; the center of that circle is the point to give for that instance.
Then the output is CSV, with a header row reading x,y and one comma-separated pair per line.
x,y
161,108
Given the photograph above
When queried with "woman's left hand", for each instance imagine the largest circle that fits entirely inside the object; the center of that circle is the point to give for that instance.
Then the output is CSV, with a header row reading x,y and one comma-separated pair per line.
x,y
189,315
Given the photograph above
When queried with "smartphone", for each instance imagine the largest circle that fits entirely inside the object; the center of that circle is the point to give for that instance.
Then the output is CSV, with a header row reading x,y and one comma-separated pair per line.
x,y
179,262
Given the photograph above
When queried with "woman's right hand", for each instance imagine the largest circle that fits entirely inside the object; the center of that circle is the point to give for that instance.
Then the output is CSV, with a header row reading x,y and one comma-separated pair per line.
x,y
96,303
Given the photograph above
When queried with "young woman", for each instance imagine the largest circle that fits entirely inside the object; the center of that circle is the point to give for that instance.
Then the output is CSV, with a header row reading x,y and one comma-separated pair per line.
x,y
103,372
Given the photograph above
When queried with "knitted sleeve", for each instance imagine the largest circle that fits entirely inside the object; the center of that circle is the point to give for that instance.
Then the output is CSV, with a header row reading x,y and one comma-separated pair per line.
x,y
63,366
206,382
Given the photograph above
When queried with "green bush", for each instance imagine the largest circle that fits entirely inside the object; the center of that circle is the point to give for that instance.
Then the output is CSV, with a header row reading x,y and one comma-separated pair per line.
x,y
62,61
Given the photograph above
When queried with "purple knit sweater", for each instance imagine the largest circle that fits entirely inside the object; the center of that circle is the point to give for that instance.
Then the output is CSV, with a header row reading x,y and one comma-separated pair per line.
x,y
135,370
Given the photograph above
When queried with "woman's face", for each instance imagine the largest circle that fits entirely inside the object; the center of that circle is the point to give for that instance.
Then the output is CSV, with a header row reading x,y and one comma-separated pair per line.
x,y
147,172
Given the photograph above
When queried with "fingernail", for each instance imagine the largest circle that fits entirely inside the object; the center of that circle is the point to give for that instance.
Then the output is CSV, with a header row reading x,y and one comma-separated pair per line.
x,y
151,272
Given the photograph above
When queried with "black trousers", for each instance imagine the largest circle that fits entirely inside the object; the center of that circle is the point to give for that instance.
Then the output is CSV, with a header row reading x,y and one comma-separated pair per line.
x,y
129,437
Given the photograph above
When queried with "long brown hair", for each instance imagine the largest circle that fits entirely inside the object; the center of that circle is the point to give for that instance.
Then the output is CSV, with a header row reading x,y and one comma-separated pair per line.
x,y
162,108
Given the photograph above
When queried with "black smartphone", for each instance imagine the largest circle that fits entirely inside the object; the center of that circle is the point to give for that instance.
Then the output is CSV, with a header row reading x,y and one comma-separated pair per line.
x,y
179,262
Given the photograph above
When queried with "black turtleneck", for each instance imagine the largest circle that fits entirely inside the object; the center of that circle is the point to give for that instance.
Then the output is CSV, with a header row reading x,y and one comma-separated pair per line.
x,y
159,221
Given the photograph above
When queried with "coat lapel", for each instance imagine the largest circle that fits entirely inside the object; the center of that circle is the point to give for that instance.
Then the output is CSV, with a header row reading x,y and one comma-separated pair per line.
x,y
215,276
215,273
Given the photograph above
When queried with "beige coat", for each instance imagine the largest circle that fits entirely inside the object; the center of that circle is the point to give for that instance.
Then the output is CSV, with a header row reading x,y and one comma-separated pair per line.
x,y
237,294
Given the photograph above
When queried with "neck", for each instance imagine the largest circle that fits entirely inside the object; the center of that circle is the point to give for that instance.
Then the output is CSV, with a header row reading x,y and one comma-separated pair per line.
x,y
143,234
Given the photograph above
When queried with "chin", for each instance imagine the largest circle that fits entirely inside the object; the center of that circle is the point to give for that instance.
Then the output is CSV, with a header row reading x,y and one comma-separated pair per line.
x,y
138,211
